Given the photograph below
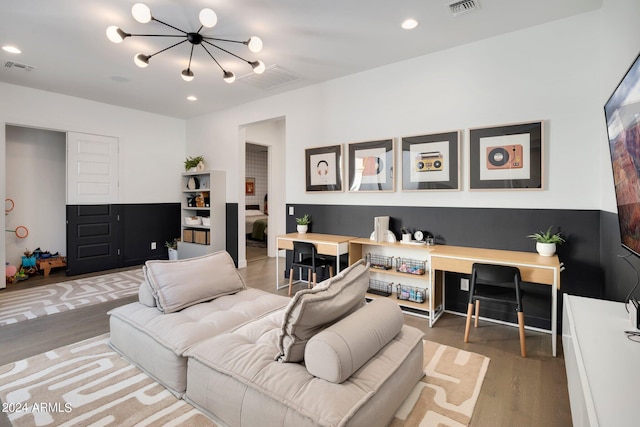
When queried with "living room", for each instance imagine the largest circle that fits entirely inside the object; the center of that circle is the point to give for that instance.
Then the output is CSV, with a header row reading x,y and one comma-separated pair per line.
x,y
560,73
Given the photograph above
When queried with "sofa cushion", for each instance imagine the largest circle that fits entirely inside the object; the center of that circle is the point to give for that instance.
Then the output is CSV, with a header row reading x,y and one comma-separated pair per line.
x,y
312,310
337,352
156,341
179,284
145,296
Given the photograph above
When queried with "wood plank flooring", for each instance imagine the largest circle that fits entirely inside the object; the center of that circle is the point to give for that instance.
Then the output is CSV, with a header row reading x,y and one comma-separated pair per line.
x,y
517,391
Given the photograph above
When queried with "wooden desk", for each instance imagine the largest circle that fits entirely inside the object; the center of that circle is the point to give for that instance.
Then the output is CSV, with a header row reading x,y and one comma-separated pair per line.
x,y
326,244
533,268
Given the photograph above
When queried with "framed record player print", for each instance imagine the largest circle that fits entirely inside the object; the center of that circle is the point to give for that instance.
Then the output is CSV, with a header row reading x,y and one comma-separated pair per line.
x,y
431,162
323,167
371,166
506,157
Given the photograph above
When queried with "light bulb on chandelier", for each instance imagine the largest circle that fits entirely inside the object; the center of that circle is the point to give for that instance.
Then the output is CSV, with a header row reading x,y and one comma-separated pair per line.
x,y
208,19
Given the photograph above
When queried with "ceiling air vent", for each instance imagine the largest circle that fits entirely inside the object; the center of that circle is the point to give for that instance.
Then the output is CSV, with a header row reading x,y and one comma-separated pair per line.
x,y
272,78
11,64
460,7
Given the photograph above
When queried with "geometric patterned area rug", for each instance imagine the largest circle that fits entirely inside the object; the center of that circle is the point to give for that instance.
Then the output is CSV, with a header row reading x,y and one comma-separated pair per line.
x,y
447,394
57,297
87,383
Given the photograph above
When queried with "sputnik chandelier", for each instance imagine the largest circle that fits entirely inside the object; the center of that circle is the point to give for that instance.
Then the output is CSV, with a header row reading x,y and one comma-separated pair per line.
x,y
208,19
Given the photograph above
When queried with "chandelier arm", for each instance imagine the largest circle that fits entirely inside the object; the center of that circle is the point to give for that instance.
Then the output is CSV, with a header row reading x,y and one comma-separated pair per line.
x,y
214,59
167,48
170,26
190,56
156,35
225,50
225,40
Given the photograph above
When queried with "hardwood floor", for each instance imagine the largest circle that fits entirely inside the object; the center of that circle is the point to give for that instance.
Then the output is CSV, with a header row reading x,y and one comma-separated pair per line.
x,y
517,391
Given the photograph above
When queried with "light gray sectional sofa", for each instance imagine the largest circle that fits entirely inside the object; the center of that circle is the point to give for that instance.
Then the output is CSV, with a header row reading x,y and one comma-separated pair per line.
x,y
249,358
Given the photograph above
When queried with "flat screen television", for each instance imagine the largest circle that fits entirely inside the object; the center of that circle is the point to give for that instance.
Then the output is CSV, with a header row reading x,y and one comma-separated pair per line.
x,y
622,112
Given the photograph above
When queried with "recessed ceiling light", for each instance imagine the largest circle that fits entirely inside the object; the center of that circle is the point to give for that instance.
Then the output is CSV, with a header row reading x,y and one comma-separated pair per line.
x,y
409,24
11,49
192,98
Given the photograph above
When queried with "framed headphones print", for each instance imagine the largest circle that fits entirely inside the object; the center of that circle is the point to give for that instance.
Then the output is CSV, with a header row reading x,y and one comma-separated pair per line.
x,y
323,166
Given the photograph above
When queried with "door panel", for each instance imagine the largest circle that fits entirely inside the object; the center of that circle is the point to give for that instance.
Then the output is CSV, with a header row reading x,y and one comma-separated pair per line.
x,y
92,169
92,238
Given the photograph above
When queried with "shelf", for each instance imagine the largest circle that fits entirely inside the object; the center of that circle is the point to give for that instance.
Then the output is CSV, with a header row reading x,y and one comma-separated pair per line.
x,y
197,190
423,308
196,226
394,272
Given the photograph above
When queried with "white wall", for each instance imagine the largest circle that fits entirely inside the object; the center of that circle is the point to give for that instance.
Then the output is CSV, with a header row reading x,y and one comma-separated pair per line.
x,y
549,73
152,147
35,174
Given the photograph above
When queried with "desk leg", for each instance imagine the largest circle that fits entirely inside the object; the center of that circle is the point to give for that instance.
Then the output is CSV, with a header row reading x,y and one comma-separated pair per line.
x,y
277,270
554,320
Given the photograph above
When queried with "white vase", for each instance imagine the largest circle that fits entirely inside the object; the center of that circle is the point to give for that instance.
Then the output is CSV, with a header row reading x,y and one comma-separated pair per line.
x,y
302,228
546,249
173,254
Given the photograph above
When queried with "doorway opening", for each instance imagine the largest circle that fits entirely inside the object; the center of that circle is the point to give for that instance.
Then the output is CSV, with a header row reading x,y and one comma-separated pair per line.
x,y
256,200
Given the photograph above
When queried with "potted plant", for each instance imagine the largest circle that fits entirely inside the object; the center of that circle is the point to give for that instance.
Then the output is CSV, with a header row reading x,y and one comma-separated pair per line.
x,y
172,247
546,241
303,223
194,164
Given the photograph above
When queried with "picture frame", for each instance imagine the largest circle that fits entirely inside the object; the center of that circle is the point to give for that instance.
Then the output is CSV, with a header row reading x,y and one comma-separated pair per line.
x,y
431,162
323,168
250,186
371,166
506,157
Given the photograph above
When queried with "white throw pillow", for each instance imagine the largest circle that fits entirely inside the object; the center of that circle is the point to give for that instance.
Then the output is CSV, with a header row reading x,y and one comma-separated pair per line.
x,y
179,284
344,347
312,310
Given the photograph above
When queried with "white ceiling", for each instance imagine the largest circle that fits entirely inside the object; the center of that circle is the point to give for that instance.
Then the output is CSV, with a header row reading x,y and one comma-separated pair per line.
x,y
314,41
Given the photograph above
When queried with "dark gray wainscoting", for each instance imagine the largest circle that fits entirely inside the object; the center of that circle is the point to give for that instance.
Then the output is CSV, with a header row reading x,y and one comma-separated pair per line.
x,y
620,277
484,228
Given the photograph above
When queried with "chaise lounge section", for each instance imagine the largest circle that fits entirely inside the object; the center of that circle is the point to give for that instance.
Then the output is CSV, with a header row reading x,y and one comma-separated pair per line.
x,y
322,358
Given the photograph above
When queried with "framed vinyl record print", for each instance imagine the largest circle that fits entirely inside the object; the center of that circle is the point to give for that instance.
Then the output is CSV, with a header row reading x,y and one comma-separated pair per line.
x,y
506,157
371,166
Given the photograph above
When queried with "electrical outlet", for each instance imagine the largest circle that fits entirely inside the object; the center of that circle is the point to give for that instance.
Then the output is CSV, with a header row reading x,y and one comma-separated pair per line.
x,y
153,246
290,210
464,284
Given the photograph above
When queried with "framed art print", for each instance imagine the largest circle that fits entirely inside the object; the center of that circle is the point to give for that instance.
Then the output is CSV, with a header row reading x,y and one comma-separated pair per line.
x,y
371,166
506,157
431,162
323,167
249,186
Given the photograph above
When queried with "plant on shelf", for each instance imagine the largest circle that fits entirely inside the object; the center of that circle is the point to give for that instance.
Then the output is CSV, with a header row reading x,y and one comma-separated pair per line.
x,y
303,223
546,241
196,162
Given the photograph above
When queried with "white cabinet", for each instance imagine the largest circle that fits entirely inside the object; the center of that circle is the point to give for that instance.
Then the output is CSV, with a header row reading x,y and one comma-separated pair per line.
x,y
601,362
203,213
409,279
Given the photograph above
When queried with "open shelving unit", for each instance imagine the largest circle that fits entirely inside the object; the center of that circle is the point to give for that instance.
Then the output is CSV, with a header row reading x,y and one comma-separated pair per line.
x,y
203,196
433,305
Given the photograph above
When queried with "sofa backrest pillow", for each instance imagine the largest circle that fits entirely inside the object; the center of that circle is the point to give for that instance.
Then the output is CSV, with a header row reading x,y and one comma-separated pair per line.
x,y
340,350
312,310
179,284
145,295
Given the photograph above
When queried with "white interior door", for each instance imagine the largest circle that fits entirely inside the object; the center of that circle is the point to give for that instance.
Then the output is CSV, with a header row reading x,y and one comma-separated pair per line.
x,y
92,169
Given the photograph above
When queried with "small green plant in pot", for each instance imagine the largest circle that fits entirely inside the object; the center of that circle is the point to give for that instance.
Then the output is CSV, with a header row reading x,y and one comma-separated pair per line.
x,y
546,241
195,163
303,223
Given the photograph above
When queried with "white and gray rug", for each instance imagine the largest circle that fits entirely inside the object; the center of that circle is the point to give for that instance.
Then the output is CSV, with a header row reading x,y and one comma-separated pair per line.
x,y
41,301
87,383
